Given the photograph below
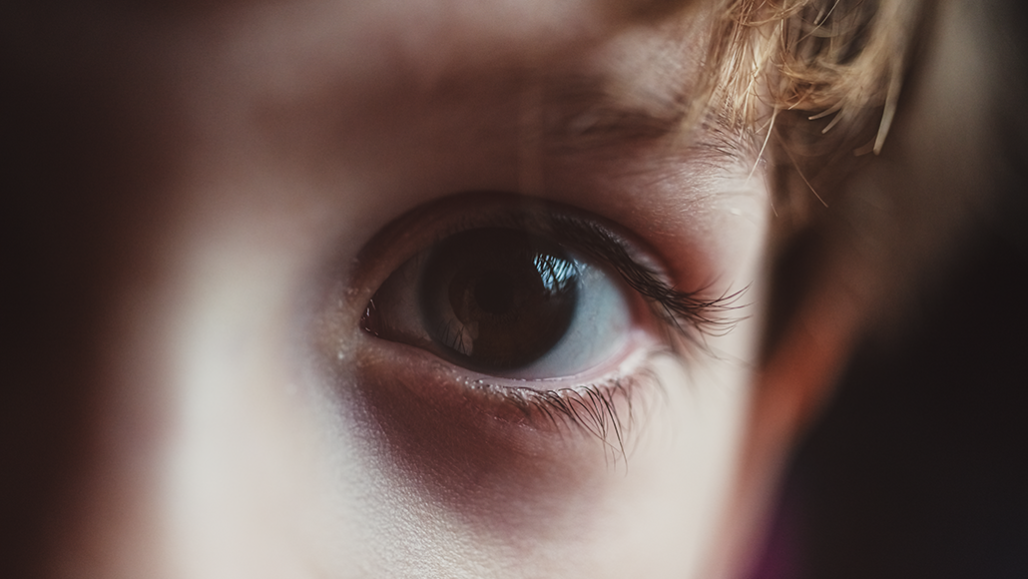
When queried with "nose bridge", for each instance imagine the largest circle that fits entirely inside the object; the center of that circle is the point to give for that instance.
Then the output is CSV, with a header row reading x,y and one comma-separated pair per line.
x,y
237,477
202,463
223,472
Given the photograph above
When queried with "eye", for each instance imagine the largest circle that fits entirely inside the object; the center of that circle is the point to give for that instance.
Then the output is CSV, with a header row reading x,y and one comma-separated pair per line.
x,y
496,313
508,302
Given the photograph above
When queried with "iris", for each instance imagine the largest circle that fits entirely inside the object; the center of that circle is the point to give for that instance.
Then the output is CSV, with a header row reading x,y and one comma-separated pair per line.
x,y
498,299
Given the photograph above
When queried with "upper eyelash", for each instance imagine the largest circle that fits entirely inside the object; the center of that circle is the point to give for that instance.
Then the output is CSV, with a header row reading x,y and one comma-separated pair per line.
x,y
690,314
676,308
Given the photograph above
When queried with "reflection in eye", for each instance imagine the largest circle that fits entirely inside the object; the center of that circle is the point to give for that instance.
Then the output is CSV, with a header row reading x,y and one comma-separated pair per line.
x,y
505,302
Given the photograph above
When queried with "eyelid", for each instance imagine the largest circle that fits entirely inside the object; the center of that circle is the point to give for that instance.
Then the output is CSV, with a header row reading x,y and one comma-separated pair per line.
x,y
603,408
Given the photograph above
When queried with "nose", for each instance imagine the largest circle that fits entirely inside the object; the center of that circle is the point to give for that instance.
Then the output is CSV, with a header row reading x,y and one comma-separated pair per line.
x,y
201,458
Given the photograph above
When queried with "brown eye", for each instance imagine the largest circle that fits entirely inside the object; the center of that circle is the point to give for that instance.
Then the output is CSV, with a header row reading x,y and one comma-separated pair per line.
x,y
506,301
497,299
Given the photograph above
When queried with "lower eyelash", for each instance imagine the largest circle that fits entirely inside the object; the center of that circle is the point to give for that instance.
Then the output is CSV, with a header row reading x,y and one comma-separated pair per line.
x,y
604,410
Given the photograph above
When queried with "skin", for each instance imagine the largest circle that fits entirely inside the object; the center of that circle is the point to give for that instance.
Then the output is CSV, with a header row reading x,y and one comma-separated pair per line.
x,y
240,423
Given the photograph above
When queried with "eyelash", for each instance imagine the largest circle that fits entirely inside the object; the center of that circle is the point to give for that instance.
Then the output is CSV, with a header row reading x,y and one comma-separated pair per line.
x,y
592,408
596,408
687,313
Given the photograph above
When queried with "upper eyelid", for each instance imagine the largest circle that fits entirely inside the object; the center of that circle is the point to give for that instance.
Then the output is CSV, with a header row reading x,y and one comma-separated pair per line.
x,y
432,223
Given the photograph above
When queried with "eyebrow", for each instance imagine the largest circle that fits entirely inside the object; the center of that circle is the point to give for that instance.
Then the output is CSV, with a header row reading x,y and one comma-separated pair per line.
x,y
585,108
583,112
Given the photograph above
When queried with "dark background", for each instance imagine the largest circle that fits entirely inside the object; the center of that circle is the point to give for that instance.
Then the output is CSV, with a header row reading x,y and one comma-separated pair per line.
x,y
919,466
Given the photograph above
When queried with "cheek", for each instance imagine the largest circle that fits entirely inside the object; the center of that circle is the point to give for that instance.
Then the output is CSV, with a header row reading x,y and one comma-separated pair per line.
x,y
439,486
506,471
243,466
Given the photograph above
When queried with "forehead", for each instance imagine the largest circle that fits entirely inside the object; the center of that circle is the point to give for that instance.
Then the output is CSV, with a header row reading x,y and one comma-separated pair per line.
x,y
418,99
580,48
379,105
441,28
373,75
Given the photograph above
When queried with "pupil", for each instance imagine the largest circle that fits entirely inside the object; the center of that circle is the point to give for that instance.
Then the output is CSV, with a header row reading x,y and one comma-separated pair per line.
x,y
498,299
494,293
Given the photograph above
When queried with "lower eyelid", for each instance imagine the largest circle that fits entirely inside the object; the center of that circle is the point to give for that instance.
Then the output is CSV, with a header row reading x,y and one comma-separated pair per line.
x,y
602,405
479,454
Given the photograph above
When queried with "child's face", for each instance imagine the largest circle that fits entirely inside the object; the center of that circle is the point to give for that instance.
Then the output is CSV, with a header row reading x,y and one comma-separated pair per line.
x,y
260,419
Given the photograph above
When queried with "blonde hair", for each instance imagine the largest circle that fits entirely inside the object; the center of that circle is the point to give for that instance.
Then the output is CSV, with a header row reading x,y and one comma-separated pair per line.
x,y
844,59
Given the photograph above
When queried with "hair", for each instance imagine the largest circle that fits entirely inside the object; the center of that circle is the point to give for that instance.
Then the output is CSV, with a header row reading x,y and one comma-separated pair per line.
x,y
845,58
818,82
777,65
